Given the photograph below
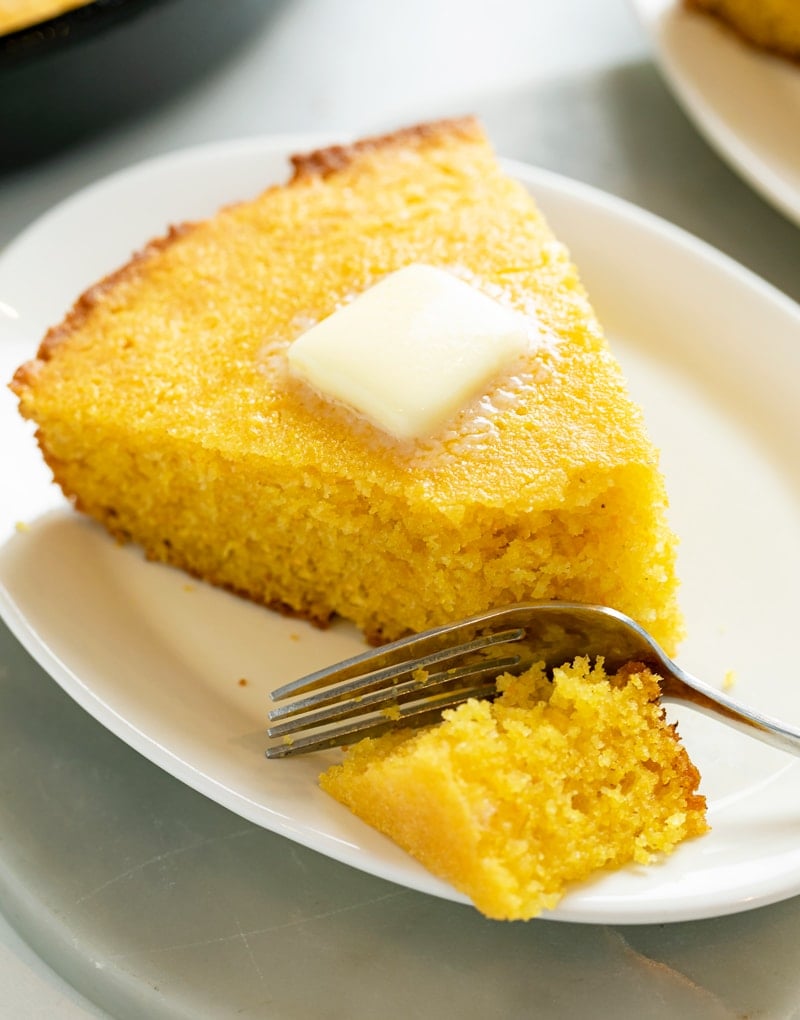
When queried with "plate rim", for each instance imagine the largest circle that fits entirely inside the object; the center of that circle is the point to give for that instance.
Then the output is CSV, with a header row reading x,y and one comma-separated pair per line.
x,y
194,777
750,163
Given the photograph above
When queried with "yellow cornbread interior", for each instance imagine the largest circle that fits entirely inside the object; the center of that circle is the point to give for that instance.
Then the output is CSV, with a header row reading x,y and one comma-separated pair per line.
x,y
514,801
770,24
165,410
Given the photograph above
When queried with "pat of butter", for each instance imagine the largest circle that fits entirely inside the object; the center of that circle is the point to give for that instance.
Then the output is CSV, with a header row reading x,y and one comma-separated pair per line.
x,y
412,350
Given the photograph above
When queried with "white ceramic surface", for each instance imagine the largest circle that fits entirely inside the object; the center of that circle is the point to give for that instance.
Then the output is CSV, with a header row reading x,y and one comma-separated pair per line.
x,y
711,352
746,103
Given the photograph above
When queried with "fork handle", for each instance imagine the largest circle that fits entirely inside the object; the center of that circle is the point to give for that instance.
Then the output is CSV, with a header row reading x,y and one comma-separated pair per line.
x,y
687,688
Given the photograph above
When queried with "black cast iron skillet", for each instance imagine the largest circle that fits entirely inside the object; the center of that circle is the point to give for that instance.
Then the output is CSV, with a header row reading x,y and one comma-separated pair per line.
x,y
105,61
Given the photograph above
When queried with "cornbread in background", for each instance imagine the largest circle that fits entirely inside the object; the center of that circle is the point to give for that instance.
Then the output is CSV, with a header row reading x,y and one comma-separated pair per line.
x,y
165,408
16,14
514,801
772,25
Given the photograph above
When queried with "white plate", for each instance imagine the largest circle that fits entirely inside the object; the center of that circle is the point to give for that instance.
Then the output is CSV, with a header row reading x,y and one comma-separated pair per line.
x,y
746,103
713,354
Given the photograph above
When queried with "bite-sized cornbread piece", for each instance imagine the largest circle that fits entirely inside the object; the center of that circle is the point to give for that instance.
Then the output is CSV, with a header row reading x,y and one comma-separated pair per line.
x,y
513,801
769,24
165,405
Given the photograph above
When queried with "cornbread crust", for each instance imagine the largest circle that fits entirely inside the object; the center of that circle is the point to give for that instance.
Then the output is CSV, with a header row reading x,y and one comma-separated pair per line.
x,y
83,307
754,26
217,465
515,802
323,162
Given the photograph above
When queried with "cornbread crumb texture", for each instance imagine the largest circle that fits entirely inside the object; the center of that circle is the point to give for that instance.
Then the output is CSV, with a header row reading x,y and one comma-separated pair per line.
x,y
514,801
770,24
166,411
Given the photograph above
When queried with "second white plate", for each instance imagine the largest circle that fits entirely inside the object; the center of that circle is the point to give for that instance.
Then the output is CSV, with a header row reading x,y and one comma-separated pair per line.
x,y
746,103
711,352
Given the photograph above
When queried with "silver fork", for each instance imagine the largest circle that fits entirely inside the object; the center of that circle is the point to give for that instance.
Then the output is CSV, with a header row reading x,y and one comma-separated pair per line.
x,y
410,681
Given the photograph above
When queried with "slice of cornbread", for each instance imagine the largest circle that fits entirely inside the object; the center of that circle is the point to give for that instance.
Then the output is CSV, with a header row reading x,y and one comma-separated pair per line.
x,y
769,24
513,801
166,410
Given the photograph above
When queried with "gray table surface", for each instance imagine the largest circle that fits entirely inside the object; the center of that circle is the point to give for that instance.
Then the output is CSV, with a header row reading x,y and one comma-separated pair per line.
x,y
135,896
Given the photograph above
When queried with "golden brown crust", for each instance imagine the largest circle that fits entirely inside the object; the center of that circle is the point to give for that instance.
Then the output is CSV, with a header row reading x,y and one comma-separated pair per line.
x,y
323,162
76,316
687,771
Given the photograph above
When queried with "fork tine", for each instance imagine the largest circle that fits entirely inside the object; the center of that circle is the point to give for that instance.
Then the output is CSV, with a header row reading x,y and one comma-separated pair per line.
x,y
352,671
552,632
412,647
393,694
415,714
373,680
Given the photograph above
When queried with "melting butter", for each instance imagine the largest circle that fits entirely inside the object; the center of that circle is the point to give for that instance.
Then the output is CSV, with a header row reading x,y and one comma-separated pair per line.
x,y
412,350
